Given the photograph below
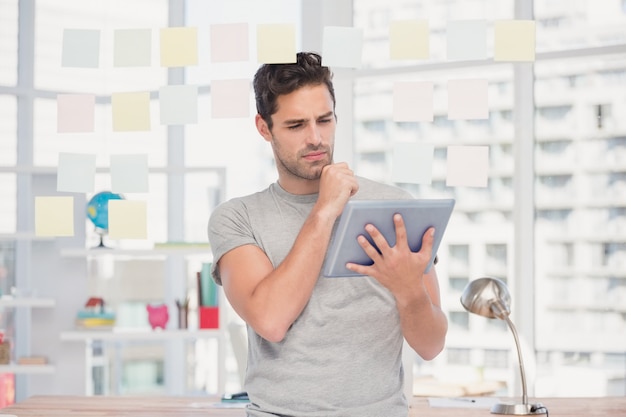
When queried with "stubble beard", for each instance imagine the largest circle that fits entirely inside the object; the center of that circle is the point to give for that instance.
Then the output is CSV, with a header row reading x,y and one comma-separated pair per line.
x,y
294,166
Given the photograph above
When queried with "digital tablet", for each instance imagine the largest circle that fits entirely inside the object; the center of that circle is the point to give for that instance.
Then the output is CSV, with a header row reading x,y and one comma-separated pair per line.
x,y
418,214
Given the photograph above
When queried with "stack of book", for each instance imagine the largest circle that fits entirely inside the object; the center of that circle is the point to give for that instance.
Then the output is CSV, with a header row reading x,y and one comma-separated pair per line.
x,y
95,320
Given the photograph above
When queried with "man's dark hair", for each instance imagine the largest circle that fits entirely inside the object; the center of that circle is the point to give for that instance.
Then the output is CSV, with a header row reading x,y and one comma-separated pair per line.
x,y
273,80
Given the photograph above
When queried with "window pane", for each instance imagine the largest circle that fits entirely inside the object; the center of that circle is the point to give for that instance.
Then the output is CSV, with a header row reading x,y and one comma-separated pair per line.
x,y
8,130
8,208
8,42
103,141
53,16
580,163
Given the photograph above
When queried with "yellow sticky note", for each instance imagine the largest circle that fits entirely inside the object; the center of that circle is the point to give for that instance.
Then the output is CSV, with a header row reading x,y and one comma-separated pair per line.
x,y
276,44
54,216
409,39
467,166
514,40
128,219
131,111
179,47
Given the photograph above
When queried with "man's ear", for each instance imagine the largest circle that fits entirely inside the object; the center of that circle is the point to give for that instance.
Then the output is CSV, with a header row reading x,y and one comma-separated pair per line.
x,y
263,128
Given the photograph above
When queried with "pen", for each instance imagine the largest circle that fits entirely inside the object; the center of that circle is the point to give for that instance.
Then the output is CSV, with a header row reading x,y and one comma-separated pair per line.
x,y
468,400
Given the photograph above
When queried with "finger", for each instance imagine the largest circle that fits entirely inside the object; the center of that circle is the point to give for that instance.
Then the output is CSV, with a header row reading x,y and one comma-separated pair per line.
x,y
369,249
377,237
427,242
401,235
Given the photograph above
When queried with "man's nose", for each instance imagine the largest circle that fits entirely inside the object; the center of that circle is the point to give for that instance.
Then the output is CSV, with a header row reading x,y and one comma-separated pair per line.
x,y
313,134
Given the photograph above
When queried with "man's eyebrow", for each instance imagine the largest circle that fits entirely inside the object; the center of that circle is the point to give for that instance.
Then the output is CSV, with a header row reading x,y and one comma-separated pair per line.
x,y
325,115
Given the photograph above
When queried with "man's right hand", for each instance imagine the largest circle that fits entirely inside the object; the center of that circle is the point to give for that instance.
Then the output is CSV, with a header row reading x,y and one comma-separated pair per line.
x,y
337,185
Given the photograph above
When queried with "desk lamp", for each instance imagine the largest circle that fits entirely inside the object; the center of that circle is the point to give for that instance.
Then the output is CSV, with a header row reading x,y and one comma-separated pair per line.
x,y
489,297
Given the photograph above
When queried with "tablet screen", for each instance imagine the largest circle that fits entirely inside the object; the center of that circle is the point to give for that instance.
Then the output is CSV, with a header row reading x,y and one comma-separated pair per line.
x,y
418,214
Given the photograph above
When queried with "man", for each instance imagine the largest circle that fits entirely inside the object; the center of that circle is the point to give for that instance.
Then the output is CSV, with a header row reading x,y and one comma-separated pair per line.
x,y
319,346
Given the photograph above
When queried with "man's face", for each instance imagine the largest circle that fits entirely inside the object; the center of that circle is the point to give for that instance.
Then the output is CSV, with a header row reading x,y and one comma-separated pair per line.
x,y
303,133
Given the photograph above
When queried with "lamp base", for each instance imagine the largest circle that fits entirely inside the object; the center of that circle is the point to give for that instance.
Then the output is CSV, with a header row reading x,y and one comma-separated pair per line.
x,y
518,409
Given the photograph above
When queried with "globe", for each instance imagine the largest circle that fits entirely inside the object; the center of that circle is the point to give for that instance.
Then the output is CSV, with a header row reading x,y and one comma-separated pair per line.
x,y
98,211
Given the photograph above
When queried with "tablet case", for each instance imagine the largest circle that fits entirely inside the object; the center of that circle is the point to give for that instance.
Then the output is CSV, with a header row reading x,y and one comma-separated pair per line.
x,y
418,215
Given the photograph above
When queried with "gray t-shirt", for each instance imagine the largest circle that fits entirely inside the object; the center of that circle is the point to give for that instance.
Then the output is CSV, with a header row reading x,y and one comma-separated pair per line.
x,y
342,356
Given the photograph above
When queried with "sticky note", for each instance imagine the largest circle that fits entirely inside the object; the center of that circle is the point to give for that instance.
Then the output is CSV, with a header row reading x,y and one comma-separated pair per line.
x,y
467,166
342,47
230,98
409,39
132,47
413,101
276,43
76,173
178,104
467,99
81,48
75,113
128,219
54,216
412,163
514,40
130,111
179,46
466,40
229,42
129,173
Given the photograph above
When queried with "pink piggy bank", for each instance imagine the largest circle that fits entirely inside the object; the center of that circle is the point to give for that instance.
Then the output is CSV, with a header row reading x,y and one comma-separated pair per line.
x,y
157,315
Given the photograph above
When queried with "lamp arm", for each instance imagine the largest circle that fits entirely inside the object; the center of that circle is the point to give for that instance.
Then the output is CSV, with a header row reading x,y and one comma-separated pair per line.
x,y
519,355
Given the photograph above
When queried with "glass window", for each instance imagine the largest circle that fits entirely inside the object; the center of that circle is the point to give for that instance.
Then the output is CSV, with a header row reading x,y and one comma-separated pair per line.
x,y
8,209
8,130
8,42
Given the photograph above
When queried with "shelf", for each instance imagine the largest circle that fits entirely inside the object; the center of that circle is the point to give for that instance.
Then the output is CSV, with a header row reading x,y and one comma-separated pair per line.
x,y
22,237
27,369
138,335
156,252
27,302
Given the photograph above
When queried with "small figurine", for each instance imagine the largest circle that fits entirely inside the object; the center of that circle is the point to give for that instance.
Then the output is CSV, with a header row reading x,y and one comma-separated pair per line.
x,y
157,315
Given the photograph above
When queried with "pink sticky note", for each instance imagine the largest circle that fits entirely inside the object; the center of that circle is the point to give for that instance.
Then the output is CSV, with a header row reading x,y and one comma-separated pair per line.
x,y
229,42
467,166
413,101
467,99
75,113
230,98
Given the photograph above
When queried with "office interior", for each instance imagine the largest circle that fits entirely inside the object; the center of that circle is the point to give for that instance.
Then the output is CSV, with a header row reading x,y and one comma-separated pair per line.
x,y
550,221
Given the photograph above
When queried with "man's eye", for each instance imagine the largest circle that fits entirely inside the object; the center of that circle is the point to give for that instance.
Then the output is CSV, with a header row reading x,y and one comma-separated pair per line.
x,y
325,120
294,127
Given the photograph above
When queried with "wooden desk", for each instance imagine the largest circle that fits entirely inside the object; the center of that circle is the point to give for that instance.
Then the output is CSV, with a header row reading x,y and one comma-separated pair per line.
x,y
56,406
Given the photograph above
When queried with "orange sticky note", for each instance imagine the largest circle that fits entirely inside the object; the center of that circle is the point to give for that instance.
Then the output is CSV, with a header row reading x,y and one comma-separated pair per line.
x,y
230,98
229,42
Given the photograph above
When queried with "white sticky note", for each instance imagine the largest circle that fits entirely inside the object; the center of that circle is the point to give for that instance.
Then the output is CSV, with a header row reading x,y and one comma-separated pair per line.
x,y
342,47
76,173
467,166
467,99
412,163
132,47
81,48
229,42
466,40
276,43
129,173
54,216
514,40
413,101
409,39
75,113
130,111
128,219
178,104
179,46
230,98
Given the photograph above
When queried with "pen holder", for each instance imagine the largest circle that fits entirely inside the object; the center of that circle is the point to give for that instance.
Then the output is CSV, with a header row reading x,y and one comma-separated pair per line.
x,y
208,317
